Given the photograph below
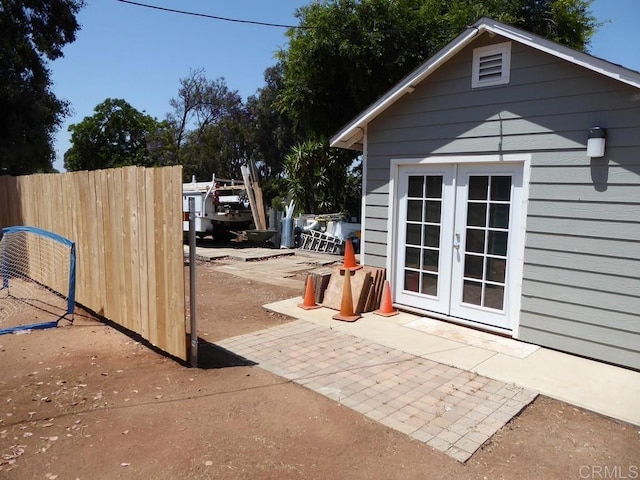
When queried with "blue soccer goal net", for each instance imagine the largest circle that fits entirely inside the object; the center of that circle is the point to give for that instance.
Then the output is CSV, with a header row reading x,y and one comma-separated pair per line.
x,y
37,279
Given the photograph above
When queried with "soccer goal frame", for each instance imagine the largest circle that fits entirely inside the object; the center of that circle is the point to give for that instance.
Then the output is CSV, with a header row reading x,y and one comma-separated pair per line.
x,y
25,252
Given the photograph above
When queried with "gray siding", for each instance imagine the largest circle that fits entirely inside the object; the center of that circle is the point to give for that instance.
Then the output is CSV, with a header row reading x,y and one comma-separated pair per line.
x,y
581,286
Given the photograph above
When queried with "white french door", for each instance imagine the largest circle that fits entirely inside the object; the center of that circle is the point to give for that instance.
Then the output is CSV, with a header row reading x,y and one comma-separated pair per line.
x,y
458,238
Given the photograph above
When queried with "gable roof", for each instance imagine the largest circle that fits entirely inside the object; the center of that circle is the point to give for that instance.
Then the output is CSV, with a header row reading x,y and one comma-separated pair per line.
x,y
351,135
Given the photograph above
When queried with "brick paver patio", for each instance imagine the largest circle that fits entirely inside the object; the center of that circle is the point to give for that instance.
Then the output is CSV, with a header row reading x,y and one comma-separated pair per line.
x,y
452,410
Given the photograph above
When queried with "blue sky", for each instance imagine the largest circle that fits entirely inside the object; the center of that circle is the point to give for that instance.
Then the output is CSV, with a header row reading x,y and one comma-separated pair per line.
x,y
125,51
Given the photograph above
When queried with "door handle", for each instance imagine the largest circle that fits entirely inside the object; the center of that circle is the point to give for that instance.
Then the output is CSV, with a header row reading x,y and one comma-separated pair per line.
x,y
456,243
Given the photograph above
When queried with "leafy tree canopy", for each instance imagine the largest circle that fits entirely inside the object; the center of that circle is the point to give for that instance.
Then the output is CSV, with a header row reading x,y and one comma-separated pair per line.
x,y
272,131
31,34
347,53
209,127
114,136
321,180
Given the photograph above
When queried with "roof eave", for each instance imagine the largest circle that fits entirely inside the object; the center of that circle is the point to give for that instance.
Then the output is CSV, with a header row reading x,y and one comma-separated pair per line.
x,y
351,135
353,132
595,64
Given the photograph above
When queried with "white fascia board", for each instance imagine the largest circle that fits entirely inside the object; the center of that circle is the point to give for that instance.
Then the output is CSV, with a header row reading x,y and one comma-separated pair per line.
x,y
345,137
585,60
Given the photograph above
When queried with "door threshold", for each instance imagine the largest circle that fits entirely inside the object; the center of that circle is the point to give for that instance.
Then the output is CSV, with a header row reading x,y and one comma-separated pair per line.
x,y
472,335
481,327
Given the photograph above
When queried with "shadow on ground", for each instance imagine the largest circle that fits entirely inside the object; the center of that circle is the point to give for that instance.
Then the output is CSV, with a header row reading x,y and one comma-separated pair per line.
x,y
211,356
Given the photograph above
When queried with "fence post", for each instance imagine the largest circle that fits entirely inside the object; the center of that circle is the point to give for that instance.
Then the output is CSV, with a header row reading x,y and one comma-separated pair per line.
x,y
192,282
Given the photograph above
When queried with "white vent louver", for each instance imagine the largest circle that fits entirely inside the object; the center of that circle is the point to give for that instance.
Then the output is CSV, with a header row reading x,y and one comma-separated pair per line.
x,y
491,65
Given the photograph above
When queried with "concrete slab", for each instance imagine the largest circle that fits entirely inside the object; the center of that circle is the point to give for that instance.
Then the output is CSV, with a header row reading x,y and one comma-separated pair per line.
x,y
476,338
465,357
605,389
281,267
245,253
241,254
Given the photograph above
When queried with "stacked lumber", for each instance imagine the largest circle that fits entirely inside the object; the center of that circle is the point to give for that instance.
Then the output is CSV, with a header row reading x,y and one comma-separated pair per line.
x,y
254,193
366,289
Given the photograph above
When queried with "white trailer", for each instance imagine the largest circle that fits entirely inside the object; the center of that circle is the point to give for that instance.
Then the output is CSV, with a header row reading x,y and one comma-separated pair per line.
x,y
221,206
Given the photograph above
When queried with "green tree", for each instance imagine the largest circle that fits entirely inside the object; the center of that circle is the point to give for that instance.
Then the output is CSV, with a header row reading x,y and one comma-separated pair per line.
x,y
220,148
206,113
321,179
272,131
347,53
32,33
114,136
271,134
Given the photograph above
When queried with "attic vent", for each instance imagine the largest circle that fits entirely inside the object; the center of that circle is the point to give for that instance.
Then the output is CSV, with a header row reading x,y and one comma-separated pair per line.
x,y
491,65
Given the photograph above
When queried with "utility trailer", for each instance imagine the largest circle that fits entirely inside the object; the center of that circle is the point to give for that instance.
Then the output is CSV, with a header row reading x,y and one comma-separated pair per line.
x,y
221,206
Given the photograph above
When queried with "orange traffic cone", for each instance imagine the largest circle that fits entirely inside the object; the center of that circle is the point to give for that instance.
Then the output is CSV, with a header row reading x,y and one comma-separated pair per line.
x,y
346,306
309,302
349,257
386,307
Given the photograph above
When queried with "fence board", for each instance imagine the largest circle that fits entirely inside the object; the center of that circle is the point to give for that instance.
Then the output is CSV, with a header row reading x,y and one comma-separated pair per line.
x,y
159,323
150,255
129,230
109,220
143,266
127,225
177,334
97,233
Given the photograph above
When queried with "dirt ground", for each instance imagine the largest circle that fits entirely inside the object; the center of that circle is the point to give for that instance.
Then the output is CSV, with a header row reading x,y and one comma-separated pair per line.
x,y
87,402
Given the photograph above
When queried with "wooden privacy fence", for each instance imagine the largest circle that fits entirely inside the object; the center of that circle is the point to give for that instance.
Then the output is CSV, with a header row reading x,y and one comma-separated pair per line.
x,y
127,225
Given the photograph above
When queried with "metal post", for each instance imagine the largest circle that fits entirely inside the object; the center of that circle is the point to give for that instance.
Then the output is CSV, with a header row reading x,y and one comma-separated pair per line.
x,y
192,282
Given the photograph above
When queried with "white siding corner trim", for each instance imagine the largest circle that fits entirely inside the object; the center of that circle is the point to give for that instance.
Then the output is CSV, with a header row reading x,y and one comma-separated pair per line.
x,y
491,65
363,198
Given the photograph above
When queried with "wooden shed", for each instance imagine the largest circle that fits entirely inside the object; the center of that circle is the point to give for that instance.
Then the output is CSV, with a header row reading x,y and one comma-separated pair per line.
x,y
485,204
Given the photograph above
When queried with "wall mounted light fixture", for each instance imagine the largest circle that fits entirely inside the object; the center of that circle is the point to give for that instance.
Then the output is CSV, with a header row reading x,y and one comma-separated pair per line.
x,y
596,142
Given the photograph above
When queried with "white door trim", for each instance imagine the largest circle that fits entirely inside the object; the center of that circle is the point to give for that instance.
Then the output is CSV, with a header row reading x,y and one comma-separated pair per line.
x,y
521,210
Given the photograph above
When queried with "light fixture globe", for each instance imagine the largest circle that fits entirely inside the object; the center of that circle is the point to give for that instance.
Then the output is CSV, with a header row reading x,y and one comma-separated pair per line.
x,y
596,142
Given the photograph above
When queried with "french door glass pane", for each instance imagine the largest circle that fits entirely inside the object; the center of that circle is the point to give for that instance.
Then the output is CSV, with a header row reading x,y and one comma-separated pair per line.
x,y
472,292
432,236
430,259
475,240
416,186
494,296
501,188
412,258
414,210
434,186
498,243
414,233
496,268
434,209
477,214
429,284
411,280
473,266
499,215
478,186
